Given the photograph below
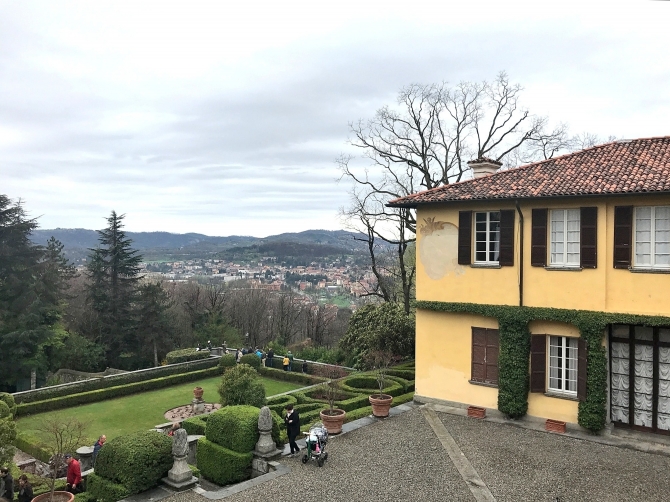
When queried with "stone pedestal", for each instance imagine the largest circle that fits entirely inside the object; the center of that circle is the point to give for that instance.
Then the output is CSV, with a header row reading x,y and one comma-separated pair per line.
x,y
85,454
180,477
266,450
198,406
193,448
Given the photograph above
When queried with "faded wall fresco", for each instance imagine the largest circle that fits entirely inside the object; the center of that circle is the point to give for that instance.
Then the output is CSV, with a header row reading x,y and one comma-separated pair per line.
x,y
439,248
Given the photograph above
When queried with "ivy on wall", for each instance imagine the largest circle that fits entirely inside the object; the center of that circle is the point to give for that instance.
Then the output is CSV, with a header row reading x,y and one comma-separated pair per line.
x,y
513,361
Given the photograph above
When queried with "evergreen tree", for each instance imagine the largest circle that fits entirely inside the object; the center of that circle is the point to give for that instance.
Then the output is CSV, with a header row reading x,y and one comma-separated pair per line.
x,y
32,284
113,272
154,328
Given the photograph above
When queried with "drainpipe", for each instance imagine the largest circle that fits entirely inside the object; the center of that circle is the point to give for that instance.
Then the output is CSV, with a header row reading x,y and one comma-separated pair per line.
x,y
518,209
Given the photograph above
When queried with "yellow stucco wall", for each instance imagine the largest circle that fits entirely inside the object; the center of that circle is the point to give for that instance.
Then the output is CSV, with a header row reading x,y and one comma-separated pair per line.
x,y
443,358
444,340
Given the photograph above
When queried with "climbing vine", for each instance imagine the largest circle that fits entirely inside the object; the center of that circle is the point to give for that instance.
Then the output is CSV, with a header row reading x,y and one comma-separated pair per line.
x,y
513,361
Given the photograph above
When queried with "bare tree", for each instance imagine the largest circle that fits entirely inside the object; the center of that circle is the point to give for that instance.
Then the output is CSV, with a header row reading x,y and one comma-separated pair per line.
x,y
424,142
317,321
249,312
285,313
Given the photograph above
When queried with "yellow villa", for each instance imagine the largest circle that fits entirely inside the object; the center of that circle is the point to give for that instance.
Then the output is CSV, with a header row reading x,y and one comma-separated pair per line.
x,y
544,290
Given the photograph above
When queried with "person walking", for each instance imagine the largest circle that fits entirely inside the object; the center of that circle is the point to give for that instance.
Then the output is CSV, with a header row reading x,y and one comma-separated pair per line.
x,y
8,484
285,363
96,447
292,421
73,475
290,361
25,489
268,359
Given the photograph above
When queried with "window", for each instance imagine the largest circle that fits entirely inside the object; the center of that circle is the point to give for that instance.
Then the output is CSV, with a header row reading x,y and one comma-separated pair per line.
x,y
485,356
565,242
563,364
487,237
652,237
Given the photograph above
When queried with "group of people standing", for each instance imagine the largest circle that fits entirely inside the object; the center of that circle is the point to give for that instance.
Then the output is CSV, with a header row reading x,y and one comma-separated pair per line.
x,y
267,358
7,488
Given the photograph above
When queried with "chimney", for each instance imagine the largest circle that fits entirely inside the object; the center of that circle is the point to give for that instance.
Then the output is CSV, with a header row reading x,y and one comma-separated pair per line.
x,y
484,167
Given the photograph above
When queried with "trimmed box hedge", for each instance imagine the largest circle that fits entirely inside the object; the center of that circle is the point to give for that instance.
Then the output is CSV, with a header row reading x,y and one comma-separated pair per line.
x,y
227,361
234,427
186,355
31,445
194,425
112,392
289,376
136,461
221,465
252,360
67,389
279,403
105,490
367,384
404,374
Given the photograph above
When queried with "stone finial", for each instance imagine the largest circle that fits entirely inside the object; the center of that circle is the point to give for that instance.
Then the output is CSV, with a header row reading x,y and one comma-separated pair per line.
x,y
180,443
265,420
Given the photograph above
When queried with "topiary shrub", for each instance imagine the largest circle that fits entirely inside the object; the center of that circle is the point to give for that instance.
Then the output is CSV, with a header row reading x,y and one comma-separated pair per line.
x,y
227,361
194,426
104,490
136,461
234,428
221,465
8,399
241,385
84,497
279,403
252,360
184,355
4,410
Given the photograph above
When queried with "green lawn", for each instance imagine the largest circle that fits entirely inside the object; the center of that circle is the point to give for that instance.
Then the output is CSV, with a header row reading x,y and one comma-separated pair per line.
x,y
141,411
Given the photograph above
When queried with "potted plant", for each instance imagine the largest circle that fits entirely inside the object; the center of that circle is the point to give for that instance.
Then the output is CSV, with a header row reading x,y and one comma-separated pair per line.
x,y
61,435
332,418
379,361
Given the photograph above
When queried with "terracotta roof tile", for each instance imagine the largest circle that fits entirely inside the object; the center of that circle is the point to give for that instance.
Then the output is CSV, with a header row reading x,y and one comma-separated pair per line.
x,y
621,167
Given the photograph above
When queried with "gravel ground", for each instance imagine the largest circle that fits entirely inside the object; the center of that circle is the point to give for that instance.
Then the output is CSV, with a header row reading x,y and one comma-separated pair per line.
x,y
396,459
400,458
523,465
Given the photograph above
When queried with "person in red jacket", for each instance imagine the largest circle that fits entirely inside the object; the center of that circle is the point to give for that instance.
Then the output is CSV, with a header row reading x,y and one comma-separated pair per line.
x,y
73,474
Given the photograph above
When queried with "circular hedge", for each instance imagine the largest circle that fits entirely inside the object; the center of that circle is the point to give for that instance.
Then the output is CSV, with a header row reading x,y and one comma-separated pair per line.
x,y
227,361
367,384
137,461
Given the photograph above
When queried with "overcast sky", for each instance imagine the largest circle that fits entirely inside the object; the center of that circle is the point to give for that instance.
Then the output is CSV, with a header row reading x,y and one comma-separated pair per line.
x,y
226,117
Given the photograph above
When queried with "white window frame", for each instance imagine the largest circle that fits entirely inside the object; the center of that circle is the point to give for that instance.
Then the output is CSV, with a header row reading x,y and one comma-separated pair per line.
x,y
565,366
492,246
652,265
561,259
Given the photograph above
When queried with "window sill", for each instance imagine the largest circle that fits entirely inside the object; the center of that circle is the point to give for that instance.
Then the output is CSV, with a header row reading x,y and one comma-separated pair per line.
x,y
483,384
485,265
565,269
649,270
560,395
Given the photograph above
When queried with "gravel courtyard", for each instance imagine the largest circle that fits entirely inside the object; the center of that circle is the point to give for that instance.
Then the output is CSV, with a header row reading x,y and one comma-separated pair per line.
x,y
401,459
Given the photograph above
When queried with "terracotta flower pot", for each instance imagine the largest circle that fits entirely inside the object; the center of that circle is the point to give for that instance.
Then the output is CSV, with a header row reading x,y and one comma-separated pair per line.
x,y
333,423
476,412
381,404
555,426
198,392
58,497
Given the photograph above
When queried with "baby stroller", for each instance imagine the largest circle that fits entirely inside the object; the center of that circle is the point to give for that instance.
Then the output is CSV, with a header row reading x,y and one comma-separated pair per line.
x,y
316,440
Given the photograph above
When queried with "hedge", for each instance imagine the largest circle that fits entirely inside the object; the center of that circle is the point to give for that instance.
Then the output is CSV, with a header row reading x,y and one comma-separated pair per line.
x,y
45,393
194,425
186,355
31,445
112,392
252,360
234,428
137,461
404,374
105,490
8,399
279,403
196,472
407,385
82,497
220,465
289,376
227,361
367,384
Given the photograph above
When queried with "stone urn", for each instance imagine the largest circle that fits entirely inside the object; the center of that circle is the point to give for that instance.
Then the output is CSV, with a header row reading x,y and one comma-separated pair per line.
x,y
198,392
332,420
59,496
381,404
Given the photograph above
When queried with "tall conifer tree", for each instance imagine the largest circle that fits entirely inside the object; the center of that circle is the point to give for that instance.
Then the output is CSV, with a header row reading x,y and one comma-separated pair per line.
x,y
113,271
